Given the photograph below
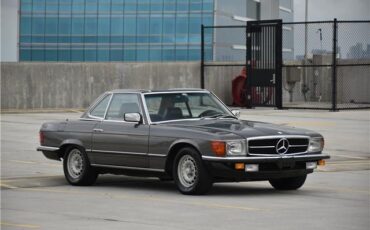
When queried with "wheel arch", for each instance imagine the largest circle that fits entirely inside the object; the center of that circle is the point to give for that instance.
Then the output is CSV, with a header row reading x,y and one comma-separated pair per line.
x,y
174,149
68,143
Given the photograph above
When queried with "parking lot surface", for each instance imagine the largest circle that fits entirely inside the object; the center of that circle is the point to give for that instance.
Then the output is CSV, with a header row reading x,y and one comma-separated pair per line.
x,y
34,194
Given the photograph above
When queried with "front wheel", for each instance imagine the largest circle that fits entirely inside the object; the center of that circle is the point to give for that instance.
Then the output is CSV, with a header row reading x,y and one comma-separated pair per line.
x,y
290,183
190,174
77,169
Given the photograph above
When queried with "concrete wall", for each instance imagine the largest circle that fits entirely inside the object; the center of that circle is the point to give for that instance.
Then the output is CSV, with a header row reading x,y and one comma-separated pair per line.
x,y
75,85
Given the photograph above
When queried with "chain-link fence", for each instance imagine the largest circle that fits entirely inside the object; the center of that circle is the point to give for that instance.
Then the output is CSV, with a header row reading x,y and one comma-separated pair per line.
x,y
326,64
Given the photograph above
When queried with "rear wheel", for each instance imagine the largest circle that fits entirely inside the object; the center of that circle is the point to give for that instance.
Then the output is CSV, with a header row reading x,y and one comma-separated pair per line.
x,y
77,168
290,183
190,174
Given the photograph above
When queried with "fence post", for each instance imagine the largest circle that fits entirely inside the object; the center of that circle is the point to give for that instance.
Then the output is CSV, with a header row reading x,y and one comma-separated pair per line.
x,y
202,58
334,72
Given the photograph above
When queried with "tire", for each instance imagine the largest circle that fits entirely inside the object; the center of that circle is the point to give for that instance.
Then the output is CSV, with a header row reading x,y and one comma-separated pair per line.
x,y
290,183
189,173
77,168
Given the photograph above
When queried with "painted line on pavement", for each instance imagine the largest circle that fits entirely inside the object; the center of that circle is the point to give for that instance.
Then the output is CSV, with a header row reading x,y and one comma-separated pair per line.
x,y
30,226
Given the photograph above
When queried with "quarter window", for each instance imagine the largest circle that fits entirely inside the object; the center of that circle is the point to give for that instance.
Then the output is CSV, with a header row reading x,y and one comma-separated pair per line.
x,y
99,109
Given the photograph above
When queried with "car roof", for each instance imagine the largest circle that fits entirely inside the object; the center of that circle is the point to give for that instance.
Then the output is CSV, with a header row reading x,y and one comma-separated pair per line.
x,y
156,90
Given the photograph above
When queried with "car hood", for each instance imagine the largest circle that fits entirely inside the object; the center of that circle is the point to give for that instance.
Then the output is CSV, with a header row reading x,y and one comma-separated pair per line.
x,y
241,128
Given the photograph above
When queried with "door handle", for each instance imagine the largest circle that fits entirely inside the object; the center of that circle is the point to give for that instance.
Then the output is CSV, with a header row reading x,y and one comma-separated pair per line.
x,y
273,79
98,130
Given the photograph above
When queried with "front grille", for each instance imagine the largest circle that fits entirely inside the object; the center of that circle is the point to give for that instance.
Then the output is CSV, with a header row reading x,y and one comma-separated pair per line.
x,y
267,146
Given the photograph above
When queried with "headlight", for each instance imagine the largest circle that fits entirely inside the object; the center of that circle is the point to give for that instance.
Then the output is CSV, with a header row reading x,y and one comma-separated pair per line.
x,y
235,148
316,144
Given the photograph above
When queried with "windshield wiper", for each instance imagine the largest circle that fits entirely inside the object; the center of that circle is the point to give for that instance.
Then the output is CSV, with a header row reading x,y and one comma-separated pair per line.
x,y
220,115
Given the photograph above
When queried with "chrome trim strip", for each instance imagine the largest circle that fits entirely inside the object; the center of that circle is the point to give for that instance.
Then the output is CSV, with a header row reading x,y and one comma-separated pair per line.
x,y
277,136
127,167
174,92
156,155
119,152
143,102
262,158
47,148
261,147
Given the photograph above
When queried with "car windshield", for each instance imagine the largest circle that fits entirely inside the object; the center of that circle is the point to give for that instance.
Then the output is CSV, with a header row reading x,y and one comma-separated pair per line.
x,y
176,106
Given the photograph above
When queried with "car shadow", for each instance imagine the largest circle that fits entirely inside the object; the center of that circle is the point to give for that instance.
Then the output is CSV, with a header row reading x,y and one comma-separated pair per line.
x,y
218,189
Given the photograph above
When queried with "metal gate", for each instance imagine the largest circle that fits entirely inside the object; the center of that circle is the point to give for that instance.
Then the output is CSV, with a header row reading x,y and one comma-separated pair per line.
x,y
264,63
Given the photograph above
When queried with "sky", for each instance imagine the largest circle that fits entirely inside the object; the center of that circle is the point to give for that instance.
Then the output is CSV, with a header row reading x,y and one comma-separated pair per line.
x,y
330,9
322,10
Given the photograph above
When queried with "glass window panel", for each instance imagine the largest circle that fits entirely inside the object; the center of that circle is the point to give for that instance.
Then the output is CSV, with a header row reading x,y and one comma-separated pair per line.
x,y
38,55
51,25
208,19
194,38
103,55
104,39
169,25
38,5
25,39
195,5
207,5
130,5
78,7
91,25
77,55
38,38
25,55
51,55
130,25
182,5
194,54
91,39
142,54
51,39
38,25
195,22
155,38
52,7
65,7
181,54
129,55
77,25
26,25
67,1
90,54
77,39
116,55
169,39
103,26
117,26
182,24
104,7
121,104
118,1
129,39
64,39
157,5
168,54
143,25
156,54
143,5
156,25
26,7
64,25
116,39
64,55
91,8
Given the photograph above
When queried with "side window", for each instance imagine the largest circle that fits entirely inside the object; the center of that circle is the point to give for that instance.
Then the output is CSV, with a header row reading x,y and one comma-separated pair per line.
x,y
121,104
99,109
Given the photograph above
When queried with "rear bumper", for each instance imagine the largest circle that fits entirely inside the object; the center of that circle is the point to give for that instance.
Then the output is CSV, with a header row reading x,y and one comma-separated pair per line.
x,y
223,168
50,152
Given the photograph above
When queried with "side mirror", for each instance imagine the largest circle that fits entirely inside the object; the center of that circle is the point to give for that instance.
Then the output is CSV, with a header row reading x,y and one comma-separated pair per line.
x,y
236,112
132,117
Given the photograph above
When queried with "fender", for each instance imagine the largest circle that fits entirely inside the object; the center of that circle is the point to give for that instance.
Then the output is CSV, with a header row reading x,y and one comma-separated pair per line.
x,y
183,141
72,142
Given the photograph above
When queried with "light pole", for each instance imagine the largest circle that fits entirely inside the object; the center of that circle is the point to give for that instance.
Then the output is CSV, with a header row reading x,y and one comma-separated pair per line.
x,y
305,88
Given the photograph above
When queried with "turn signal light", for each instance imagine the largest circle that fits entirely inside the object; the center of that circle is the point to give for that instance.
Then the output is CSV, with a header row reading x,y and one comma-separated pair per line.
x,y
321,162
218,148
239,166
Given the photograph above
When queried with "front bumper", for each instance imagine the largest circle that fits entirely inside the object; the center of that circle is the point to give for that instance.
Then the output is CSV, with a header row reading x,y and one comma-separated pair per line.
x,y
223,168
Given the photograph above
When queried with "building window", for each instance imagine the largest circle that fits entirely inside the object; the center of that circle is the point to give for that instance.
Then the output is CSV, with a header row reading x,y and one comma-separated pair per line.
x,y
112,30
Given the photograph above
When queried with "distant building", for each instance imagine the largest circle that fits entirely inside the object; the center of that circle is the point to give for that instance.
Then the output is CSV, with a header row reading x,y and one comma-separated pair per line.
x,y
357,51
131,30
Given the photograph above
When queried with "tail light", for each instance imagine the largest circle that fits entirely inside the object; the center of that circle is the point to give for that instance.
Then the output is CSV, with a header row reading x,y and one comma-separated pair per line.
x,y
41,137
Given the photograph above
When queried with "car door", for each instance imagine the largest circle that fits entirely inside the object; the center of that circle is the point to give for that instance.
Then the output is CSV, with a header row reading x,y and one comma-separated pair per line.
x,y
117,142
